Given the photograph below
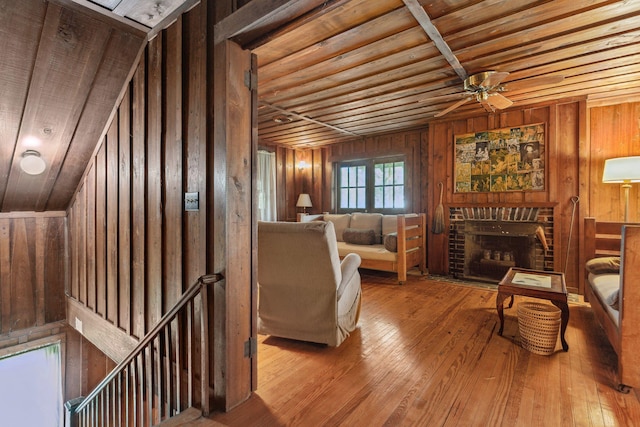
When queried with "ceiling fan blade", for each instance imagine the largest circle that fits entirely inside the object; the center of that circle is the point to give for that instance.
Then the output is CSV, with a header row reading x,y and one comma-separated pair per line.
x,y
454,106
487,106
533,82
499,101
494,78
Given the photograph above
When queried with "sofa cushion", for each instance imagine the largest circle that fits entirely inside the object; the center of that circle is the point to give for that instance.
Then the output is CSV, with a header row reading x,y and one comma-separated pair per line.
x,y
340,222
358,236
368,221
389,224
603,265
391,242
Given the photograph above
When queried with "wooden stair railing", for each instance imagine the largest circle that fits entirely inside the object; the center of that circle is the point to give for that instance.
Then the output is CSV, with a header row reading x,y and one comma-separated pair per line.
x,y
166,373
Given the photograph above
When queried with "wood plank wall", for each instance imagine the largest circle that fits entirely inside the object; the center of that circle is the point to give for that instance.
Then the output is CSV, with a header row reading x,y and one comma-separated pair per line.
x,y
133,248
563,123
32,270
614,132
317,178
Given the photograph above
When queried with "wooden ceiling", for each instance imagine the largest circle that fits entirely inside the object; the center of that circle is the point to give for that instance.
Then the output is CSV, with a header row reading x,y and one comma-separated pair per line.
x,y
148,15
360,67
63,67
329,70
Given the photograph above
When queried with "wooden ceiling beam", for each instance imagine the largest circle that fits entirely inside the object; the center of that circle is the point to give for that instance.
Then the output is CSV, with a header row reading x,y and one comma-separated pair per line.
x,y
259,17
423,19
103,14
309,119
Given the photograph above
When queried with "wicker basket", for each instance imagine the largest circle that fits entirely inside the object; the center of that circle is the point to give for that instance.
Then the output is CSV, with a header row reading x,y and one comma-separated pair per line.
x,y
539,325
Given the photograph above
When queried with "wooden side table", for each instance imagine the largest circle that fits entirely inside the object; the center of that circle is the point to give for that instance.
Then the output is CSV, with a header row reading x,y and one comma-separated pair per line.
x,y
549,285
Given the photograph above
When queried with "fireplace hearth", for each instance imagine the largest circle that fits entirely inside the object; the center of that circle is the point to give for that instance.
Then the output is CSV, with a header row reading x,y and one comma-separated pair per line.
x,y
485,242
492,247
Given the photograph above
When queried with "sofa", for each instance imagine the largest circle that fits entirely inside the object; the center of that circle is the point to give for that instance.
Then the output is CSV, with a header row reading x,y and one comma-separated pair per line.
x,y
394,243
612,254
305,292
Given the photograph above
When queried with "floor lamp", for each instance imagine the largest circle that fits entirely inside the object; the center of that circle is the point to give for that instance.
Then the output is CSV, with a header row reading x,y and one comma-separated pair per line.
x,y
622,170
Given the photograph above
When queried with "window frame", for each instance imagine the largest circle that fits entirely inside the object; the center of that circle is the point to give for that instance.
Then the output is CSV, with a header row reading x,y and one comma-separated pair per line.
x,y
369,164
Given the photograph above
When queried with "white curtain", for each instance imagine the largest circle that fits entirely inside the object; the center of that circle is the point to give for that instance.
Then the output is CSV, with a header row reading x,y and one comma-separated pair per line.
x,y
266,184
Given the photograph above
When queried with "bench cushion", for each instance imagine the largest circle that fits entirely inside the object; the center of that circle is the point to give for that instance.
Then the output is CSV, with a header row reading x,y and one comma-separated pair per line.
x,y
606,287
367,252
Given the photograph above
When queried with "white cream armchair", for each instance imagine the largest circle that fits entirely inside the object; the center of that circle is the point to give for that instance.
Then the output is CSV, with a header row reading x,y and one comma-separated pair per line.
x,y
305,292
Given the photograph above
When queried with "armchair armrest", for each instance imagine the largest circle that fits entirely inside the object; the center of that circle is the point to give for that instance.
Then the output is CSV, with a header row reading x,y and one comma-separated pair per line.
x,y
349,268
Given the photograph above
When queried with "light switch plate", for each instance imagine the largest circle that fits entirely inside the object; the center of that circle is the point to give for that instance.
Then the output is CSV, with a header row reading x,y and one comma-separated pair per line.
x,y
191,201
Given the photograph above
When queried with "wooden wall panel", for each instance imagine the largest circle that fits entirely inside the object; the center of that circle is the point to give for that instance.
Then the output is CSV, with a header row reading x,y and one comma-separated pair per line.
x,y
100,231
128,214
138,212
111,223
124,214
173,165
614,132
90,238
195,143
318,178
560,186
32,270
154,169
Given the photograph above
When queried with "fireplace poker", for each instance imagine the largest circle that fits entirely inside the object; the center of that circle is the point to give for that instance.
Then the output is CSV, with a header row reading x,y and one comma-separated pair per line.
x,y
574,200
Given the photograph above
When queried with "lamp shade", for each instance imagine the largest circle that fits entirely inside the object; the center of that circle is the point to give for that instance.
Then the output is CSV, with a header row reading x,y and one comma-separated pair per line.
x,y
621,170
304,201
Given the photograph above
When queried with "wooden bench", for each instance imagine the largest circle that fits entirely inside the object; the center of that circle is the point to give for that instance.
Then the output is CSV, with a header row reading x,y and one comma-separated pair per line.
x,y
622,331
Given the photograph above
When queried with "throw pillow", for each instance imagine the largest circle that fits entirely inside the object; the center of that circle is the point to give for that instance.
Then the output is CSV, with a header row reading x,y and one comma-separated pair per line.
x,y
358,236
391,242
365,221
603,265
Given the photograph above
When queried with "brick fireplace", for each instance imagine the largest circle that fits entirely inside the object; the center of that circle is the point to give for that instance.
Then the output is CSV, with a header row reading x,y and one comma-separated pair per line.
x,y
485,241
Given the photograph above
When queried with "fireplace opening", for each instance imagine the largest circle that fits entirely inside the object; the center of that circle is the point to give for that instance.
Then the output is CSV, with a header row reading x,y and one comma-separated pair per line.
x,y
492,247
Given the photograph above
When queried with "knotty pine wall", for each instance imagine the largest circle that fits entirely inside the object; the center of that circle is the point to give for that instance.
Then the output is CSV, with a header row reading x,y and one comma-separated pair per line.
x,y
580,136
133,249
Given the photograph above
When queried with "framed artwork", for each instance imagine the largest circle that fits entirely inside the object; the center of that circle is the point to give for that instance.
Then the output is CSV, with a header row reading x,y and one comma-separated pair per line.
x,y
509,159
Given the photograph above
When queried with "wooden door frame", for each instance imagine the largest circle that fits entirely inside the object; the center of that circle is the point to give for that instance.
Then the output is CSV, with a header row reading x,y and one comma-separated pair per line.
x,y
232,231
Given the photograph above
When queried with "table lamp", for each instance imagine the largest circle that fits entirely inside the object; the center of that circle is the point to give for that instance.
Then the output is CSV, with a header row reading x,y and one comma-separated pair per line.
x,y
304,202
622,170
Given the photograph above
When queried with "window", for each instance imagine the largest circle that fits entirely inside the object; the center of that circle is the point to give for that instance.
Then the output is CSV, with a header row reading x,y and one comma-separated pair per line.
x,y
266,186
373,185
31,388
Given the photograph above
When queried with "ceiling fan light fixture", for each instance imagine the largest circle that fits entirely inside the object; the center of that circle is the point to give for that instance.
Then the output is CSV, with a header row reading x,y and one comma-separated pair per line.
x,y
32,163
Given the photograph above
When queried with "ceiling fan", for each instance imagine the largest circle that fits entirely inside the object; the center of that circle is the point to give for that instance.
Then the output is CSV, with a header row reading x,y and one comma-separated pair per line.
x,y
487,88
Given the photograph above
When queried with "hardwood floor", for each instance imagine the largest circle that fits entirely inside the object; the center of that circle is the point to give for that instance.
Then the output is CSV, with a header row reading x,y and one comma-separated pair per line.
x,y
427,354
